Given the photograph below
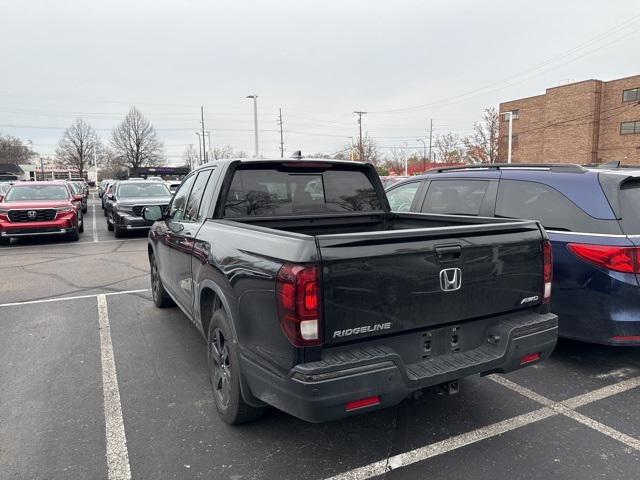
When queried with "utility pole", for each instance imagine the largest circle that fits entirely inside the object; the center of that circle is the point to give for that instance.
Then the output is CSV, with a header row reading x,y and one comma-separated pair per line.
x,y
200,148
424,155
360,145
204,141
281,137
255,120
209,155
430,137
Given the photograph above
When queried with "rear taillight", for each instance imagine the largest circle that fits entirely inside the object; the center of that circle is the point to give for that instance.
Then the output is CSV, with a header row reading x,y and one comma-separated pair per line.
x,y
298,295
547,271
618,259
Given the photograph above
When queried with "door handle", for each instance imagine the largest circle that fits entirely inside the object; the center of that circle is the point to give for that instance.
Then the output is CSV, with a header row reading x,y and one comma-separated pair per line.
x,y
448,253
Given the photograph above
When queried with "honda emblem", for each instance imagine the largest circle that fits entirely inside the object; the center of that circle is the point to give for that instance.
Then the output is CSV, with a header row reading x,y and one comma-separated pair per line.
x,y
32,214
450,279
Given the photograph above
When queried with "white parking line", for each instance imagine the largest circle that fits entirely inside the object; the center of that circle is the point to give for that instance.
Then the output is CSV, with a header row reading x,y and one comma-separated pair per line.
x,y
117,454
95,231
77,297
563,408
550,409
45,245
444,446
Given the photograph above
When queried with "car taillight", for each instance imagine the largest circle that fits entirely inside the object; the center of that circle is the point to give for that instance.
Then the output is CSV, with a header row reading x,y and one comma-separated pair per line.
x,y
618,259
547,271
298,294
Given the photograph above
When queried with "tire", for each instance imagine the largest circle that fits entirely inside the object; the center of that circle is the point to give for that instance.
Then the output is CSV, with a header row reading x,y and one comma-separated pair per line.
x,y
109,223
81,224
75,235
84,210
224,373
5,241
161,298
118,232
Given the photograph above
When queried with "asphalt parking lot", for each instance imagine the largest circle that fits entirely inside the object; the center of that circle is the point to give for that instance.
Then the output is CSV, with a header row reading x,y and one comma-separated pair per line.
x,y
98,383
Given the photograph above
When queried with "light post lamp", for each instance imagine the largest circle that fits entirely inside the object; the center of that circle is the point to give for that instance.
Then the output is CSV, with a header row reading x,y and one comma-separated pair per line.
x,y
424,155
510,113
255,120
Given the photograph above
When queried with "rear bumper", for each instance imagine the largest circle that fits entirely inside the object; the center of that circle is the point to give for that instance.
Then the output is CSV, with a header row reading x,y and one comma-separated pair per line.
x,y
318,391
60,226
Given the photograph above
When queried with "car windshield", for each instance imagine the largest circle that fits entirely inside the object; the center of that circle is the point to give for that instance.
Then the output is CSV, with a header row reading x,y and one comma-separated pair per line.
x,y
37,192
139,190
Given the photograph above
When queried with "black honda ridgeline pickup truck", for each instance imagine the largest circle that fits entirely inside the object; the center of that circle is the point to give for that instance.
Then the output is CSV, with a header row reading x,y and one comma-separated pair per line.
x,y
318,300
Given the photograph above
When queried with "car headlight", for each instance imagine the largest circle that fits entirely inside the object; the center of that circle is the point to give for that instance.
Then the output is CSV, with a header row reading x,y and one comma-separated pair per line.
x,y
65,209
4,212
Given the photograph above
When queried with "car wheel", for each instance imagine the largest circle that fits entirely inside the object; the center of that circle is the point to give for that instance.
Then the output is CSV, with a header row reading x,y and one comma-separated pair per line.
x,y
81,224
118,231
5,241
75,235
224,373
109,223
84,209
160,296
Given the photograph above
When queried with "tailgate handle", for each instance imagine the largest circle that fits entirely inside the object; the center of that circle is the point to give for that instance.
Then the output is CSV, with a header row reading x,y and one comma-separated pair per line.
x,y
449,253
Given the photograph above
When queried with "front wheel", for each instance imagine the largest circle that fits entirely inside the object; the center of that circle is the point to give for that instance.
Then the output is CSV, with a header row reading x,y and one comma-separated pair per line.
x,y
224,373
81,224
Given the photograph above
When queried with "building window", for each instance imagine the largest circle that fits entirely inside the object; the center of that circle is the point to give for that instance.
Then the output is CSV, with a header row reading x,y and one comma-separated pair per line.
x,y
631,95
505,115
629,128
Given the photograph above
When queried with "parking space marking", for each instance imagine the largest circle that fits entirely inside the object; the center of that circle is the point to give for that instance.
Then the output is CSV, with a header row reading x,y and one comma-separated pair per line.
x,y
49,245
117,454
563,409
93,221
77,297
549,409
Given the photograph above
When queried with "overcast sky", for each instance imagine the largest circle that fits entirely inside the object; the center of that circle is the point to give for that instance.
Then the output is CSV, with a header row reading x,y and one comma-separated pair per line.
x,y
404,61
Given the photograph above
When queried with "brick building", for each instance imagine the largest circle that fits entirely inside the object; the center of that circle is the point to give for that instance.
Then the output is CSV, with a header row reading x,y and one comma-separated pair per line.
x,y
585,122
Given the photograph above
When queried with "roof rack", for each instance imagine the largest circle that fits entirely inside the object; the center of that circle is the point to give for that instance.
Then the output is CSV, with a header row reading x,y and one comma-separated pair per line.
x,y
554,167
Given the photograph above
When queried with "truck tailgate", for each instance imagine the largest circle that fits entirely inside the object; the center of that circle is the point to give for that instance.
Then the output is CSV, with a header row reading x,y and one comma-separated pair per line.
x,y
393,281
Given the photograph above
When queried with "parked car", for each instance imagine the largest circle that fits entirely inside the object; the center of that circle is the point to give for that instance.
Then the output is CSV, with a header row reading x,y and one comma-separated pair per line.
x,y
155,179
102,186
173,185
105,196
40,208
327,307
78,189
125,203
591,216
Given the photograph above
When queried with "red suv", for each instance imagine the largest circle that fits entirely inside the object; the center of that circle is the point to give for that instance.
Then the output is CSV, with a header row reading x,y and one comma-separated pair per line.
x,y
40,208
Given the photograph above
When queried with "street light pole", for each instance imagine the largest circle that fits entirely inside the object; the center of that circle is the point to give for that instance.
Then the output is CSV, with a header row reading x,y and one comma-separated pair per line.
x,y
255,120
510,135
424,155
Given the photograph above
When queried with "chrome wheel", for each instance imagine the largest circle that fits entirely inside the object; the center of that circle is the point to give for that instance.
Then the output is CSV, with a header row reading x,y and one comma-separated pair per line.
x,y
221,371
155,281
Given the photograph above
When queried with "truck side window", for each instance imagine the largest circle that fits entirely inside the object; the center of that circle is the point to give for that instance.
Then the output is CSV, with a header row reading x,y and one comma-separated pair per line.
x,y
401,198
455,197
179,203
537,201
192,212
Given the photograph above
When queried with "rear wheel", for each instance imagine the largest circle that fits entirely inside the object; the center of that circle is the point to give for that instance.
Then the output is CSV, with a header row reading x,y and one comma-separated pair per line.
x,y
160,296
81,224
224,373
109,222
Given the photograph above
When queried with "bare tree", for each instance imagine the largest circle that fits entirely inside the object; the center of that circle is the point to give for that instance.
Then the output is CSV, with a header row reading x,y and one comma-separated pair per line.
x,y
78,146
482,144
13,150
190,157
135,142
111,164
449,148
398,159
371,152
227,151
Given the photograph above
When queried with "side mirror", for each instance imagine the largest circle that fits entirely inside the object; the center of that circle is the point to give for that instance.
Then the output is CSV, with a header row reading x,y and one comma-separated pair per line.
x,y
152,213
78,198
110,196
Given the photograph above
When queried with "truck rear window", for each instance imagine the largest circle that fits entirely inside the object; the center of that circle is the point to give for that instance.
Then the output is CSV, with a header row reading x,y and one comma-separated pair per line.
x,y
630,206
268,192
